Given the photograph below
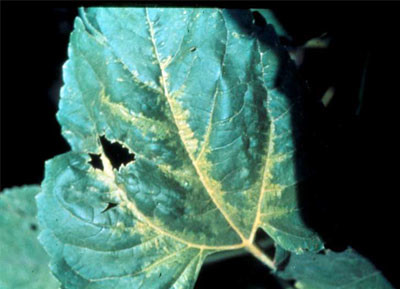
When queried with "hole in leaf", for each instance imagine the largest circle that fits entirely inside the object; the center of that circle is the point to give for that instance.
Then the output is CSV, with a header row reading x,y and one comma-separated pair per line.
x,y
264,242
33,227
116,153
259,19
96,162
109,206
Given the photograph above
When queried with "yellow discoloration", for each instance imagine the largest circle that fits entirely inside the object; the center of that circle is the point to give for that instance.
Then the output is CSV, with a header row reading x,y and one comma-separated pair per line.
x,y
201,165
119,228
267,186
235,35
141,229
165,62
182,175
119,193
205,147
181,118
186,134
139,121
157,245
149,85
108,170
135,73
260,255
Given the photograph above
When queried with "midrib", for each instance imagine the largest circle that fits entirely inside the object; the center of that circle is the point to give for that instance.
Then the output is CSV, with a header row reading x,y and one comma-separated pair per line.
x,y
203,179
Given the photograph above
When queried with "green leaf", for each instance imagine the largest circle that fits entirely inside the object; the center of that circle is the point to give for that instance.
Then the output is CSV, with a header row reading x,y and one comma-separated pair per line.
x,y
205,100
346,269
23,262
280,257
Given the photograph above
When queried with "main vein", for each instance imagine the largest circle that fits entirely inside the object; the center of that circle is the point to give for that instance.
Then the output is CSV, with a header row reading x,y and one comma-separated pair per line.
x,y
204,181
266,172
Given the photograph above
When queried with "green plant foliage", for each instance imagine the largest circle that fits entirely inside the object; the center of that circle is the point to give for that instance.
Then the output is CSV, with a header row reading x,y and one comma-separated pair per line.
x,y
280,256
331,270
206,101
23,262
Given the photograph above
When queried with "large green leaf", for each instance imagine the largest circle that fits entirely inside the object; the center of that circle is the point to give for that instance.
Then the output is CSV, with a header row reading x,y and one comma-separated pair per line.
x,y
23,262
343,270
205,99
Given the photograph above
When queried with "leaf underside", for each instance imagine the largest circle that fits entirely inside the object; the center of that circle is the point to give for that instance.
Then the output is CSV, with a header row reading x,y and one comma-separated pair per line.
x,y
206,101
23,262
332,270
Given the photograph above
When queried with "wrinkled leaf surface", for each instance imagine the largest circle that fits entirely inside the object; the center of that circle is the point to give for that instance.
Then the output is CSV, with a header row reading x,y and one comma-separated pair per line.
x,y
346,269
206,101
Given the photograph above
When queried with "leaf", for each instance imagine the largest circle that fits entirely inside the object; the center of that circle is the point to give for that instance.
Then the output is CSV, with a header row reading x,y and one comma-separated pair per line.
x,y
281,257
23,262
205,100
346,269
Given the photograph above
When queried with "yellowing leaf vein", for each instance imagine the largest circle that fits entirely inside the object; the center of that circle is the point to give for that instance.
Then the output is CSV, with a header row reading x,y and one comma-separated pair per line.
x,y
183,131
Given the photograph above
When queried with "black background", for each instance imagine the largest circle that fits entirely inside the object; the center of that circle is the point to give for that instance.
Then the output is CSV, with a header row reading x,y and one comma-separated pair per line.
x,y
356,201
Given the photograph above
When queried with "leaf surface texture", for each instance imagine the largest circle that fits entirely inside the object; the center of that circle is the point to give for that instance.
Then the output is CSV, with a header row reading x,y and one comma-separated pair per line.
x,y
23,262
205,100
342,270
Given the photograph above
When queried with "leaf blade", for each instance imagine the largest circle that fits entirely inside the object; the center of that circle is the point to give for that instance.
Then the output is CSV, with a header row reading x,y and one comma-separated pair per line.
x,y
346,269
213,129
23,261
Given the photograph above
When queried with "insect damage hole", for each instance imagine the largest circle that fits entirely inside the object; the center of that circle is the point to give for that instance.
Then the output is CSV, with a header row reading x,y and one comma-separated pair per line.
x,y
116,153
109,206
33,227
95,161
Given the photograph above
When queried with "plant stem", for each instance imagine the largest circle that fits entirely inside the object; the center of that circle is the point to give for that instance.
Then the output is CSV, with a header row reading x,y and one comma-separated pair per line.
x,y
221,256
256,252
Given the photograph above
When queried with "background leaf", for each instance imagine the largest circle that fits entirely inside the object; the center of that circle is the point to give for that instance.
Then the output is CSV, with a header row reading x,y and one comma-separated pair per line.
x,y
212,139
23,262
332,270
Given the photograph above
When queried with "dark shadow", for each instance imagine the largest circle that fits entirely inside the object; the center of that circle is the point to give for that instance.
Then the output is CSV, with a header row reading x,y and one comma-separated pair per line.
x,y
116,153
345,194
348,199
109,207
95,161
33,227
236,273
36,36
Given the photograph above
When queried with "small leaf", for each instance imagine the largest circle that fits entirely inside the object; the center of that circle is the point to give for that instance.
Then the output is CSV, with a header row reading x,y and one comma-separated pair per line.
x,y
23,262
332,270
281,257
213,138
